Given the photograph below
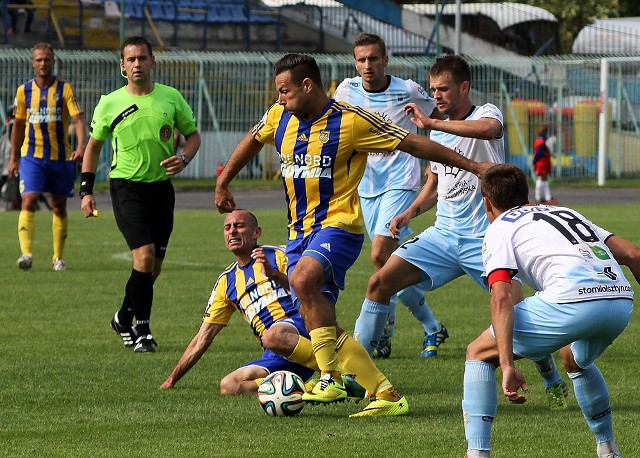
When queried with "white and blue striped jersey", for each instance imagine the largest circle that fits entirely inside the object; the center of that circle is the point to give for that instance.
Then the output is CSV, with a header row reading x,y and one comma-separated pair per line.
x,y
460,208
397,170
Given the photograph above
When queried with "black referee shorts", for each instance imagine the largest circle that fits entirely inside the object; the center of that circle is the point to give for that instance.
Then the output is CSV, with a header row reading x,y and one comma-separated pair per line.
x,y
144,212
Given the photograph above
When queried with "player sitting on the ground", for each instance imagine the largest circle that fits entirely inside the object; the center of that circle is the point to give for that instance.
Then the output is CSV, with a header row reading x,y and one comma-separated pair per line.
x,y
256,285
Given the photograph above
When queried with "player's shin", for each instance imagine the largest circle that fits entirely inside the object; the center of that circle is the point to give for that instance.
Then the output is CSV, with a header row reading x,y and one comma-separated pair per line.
x,y
303,354
479,403
370,324
354,360
592,396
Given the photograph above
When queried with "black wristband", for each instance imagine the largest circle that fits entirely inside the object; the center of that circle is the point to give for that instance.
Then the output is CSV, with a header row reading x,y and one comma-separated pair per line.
x,y
86,183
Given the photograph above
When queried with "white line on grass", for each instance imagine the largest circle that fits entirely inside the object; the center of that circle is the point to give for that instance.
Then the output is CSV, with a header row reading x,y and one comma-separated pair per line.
x,y
126,256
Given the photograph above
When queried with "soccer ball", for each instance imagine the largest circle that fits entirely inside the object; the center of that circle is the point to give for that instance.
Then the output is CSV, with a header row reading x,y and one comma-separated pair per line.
x,y
280,394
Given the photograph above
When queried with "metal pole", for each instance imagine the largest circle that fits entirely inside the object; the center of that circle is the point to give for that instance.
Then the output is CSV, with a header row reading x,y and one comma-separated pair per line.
x,y
604,111
122,15
458,27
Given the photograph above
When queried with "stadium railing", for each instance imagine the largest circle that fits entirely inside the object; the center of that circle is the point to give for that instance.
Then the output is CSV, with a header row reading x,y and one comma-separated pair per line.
x,y
230,91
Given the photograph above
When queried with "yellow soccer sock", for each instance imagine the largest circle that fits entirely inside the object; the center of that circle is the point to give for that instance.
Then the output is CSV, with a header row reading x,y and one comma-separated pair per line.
x,y
59,229
26,229
355,360
303,354
323,341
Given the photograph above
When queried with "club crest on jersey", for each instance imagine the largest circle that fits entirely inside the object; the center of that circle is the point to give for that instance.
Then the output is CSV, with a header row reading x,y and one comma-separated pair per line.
x,y
165,133
324,136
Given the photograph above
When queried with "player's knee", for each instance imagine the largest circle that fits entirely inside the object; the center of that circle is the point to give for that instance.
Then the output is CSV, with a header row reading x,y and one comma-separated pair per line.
x,y
301,283
378,285
270,338
378,259
229,386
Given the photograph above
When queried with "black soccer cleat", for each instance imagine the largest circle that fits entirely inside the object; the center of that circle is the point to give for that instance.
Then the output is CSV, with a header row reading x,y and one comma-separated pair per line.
x,y
145,344
127,333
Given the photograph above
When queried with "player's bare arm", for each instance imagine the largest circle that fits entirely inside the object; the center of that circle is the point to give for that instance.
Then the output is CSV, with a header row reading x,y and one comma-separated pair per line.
x,y
626,253
423,148
426,199
484,128
502,303
81,135
192,354
17,137
246,150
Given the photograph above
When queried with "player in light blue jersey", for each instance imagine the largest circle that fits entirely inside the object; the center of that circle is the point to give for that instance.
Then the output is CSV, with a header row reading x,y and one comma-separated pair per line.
x,y
582,303
453,246
391,181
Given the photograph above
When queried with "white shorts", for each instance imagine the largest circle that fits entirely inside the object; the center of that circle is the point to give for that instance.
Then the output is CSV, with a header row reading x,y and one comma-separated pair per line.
x,y
540,327
378,211
443,256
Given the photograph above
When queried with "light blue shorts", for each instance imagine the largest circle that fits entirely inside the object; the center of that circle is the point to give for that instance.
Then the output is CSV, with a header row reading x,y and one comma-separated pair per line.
x,y
540,327
378,211
443,256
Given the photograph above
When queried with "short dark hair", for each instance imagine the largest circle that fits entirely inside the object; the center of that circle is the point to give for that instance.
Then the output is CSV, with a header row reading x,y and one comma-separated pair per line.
x,y
136,41
301,66
506,186
456,65
364,39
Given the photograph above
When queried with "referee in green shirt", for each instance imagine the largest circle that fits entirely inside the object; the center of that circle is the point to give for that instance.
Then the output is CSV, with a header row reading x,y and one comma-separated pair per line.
x,y
141,118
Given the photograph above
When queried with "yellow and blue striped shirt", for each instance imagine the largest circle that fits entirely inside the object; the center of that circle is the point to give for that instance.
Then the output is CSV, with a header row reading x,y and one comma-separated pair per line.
x,y
47,111
261,301
322,162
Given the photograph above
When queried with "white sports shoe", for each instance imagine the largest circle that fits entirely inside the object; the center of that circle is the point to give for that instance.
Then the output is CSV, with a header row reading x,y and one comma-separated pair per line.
x,y
25,262
59,265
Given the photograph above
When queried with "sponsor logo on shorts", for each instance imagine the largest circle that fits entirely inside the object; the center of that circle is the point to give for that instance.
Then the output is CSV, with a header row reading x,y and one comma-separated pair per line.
x,y
326,246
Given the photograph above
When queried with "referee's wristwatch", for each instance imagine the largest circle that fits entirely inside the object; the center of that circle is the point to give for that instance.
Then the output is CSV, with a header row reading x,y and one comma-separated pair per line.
x,y
185,159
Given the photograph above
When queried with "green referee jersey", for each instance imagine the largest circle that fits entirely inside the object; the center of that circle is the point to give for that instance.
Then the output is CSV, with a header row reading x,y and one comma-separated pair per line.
x,y
141,129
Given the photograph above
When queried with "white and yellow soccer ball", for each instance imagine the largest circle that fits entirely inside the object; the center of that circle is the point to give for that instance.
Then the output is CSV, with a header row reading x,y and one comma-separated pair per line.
x,y
280,394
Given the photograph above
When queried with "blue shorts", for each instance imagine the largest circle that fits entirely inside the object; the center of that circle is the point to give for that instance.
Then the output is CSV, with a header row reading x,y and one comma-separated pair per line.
x,y
443,256
43,175
272,362
378,211
335,248
540,327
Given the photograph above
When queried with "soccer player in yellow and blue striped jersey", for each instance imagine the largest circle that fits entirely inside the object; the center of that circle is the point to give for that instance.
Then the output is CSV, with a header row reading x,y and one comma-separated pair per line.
x,y
41,152
323,147
255,285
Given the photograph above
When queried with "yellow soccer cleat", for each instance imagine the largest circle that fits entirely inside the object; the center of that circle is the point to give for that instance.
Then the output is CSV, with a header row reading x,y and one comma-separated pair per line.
x,y
326,391
384,408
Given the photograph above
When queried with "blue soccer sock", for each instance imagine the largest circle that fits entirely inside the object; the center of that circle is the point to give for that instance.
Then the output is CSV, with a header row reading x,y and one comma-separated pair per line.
x,y
479,403
413,298
549,371
370,324
390,325
592,396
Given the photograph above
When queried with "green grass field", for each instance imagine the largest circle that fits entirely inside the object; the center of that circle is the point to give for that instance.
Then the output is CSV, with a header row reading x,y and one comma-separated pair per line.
x,y
69,388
